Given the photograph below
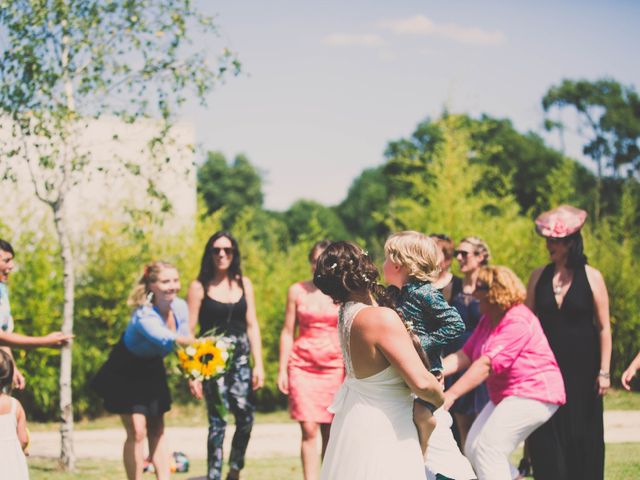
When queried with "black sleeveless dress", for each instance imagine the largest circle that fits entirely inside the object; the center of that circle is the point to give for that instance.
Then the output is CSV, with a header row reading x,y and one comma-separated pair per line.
x,y
571,444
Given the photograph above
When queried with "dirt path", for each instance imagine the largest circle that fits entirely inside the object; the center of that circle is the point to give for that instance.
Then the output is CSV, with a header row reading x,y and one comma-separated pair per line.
x,y
267,439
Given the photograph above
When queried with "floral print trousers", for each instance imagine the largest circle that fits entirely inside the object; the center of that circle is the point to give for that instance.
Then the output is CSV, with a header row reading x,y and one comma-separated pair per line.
x,y
234,390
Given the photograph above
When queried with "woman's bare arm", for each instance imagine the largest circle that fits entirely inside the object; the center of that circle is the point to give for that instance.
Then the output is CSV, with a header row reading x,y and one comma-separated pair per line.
x,y
195,295
391,338
286,338
253,332
601,307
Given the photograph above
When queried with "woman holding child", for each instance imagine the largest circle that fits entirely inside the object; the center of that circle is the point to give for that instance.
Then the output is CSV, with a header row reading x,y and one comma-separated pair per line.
x,y
372,434
508,350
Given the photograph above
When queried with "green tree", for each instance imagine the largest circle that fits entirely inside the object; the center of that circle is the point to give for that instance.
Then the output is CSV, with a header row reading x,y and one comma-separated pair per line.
x,y
608,116
303,214
518,165
364,209
233,186
67,63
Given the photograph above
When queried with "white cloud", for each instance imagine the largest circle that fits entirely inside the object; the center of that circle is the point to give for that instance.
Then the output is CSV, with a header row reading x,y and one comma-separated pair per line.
x,y
347,40
423,26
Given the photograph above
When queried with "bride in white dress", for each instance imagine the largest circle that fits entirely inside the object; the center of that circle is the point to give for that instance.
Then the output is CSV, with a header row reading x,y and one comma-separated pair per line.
x,y
372,435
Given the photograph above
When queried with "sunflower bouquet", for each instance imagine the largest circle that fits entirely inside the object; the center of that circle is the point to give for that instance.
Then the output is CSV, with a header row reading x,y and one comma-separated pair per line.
x,y
206,358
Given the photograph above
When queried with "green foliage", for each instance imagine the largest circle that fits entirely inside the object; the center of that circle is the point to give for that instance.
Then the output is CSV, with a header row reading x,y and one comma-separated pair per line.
x,y
234,186
303,214
36,299
436,189
364,209
609,114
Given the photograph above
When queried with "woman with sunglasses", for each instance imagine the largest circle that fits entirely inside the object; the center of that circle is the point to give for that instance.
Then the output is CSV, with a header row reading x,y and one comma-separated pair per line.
x,y
449,284
508,350
571,300
311,367
472,254
221,299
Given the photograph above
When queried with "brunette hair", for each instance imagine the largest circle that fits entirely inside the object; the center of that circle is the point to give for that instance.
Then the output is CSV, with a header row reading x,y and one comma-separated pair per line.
x,y
320,245
506,290
416,252
207,266
139,296
6,371
576,257
445,244
344,268
480,247
6,247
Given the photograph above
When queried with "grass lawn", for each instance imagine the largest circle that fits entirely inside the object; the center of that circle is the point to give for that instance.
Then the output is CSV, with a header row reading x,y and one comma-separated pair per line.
x,y
179,416
623,463
619,399
195,416
277,468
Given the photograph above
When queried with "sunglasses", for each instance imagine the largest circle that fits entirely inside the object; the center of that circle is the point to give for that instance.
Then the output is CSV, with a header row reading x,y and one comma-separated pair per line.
x,y
462,253
228,251
482,287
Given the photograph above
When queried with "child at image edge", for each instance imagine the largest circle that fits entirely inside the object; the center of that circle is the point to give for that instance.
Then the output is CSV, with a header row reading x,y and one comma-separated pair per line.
x,y
14,437
412,264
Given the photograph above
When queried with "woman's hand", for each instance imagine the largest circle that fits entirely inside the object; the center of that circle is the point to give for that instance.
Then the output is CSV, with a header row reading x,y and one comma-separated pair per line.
x,y
257,378
18,379
55,339
449,400
283,382
185,341
195,387
602,384
627,376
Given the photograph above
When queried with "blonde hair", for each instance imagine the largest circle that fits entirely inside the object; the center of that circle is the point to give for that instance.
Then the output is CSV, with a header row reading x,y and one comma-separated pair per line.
x,y
480,247
505,288
139,296
416,252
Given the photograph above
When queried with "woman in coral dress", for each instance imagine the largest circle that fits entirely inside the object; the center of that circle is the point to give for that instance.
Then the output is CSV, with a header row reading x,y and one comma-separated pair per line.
x,y
311,367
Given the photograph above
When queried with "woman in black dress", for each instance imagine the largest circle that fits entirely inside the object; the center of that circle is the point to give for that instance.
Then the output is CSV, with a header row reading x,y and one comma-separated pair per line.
x,y
222,299
570,299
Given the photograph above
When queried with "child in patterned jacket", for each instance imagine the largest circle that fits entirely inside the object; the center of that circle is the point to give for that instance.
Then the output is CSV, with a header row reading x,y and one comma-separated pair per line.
x,y
411,264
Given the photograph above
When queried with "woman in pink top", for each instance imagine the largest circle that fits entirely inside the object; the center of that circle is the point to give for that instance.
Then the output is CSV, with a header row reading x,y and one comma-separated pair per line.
x,y
311,367
509,350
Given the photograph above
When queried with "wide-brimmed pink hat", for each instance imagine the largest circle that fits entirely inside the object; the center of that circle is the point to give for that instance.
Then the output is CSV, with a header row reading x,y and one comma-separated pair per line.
x,y
560,222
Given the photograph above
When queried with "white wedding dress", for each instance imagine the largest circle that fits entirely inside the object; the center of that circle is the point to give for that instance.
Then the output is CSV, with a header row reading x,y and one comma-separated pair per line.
x,y
372,435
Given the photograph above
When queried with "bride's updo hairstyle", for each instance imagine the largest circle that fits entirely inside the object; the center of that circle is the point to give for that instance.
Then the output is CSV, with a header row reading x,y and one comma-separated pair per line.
x,y
344,268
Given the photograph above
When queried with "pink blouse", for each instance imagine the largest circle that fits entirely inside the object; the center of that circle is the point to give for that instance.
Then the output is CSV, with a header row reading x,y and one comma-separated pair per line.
x,y
522,363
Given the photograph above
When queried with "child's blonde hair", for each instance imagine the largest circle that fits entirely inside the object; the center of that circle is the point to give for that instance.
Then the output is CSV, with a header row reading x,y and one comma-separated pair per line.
x,y
415,251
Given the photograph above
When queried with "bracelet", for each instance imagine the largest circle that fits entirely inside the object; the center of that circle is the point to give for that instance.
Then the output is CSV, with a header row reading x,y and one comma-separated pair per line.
x,y
604,374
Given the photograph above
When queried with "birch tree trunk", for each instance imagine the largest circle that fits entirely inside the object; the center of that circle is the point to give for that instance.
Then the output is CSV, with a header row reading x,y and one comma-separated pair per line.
x,y
67,454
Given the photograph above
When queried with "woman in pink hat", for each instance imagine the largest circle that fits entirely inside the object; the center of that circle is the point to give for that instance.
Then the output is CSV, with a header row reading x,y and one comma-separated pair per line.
x,y
570,299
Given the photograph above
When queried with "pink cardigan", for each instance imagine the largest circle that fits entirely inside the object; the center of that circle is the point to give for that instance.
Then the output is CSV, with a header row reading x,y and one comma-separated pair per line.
x,y
522,363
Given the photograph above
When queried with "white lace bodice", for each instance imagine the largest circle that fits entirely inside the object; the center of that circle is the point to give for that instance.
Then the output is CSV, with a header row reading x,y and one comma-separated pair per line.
x,y
347,313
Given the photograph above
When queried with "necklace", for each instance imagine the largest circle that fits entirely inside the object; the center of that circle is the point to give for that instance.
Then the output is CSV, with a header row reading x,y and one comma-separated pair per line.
x,y
557,289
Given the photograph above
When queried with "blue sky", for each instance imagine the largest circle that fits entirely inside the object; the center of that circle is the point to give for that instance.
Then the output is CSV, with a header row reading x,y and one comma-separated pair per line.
x,y
327,85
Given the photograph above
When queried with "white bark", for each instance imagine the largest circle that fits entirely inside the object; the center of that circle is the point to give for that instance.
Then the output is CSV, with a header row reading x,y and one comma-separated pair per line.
x,y
67,454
